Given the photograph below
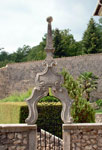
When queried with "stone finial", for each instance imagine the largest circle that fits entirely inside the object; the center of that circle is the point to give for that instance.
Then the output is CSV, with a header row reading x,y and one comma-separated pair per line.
x,y
49,42
49,19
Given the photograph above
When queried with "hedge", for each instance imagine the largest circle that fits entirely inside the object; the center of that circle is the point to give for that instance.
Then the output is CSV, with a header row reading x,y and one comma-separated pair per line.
x,y
49,117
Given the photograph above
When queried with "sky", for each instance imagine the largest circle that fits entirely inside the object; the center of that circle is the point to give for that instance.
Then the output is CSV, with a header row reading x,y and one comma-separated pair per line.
x,y
23,22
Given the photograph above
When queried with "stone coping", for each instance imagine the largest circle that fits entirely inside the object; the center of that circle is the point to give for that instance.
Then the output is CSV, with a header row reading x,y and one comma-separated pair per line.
x,y
16,127
82,126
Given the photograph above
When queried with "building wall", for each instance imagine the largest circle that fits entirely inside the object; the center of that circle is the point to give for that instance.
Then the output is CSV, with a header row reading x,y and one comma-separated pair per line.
x,y
19,77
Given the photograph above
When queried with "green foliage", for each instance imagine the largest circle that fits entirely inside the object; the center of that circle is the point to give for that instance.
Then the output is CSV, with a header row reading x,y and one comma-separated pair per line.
x,y
49,99
99,111
92,41
48,115
64,44
50,92
4,63
11,112
37,52
22,53
72,85
99,102
81,110
20,97
88,83
75,92
17,97
99,26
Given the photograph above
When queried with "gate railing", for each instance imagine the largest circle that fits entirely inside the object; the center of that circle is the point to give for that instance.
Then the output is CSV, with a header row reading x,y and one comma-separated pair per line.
x,y
47,141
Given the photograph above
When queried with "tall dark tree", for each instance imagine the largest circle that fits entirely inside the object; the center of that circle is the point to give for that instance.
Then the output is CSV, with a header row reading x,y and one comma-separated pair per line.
x,y
91,39
22,53
64,44
57,44
99,25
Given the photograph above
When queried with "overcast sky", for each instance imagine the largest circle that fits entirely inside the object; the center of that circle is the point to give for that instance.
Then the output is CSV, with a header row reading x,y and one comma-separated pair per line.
x,y
23,22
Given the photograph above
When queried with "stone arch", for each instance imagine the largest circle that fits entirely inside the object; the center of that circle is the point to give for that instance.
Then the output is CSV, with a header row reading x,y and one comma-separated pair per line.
x,y
49,78
44,80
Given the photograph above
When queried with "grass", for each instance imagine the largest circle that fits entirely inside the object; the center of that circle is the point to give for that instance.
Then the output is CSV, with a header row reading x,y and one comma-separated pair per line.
x,y
98,111
17,97
20,97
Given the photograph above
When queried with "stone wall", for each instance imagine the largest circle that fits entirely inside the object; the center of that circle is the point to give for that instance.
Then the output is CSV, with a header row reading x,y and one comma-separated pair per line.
x,y
19,77
82,136
98,118
18,137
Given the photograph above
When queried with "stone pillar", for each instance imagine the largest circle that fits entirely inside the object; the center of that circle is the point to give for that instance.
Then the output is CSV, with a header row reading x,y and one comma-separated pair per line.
x,y
66,138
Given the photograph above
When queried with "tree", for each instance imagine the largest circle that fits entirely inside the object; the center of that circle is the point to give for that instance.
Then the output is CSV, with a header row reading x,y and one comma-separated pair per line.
x,y
59,52
99,25
72,85
22,53
64,43
88,83
91,42
37,52
3,55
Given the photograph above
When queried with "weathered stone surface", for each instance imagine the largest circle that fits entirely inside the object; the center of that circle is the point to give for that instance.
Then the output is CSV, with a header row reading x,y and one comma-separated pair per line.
x,y
98,118
17,137
90,139
46,79
20,77
10,136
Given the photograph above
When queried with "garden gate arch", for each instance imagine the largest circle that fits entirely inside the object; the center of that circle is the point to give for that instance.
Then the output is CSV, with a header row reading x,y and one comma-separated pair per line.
x,y
44,80
49,78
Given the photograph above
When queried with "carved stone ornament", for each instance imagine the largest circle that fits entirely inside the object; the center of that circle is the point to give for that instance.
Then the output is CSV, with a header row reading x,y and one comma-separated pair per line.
x,y
49,79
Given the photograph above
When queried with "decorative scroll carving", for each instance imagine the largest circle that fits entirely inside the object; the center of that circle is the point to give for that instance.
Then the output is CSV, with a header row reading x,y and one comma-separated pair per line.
x,y
44,80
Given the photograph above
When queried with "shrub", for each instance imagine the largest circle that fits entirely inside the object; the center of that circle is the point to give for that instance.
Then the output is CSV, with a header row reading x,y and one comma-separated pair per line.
x,y
81,110
88,82
72,85
20,97
11,112
49,115
49,99
99,102
17,97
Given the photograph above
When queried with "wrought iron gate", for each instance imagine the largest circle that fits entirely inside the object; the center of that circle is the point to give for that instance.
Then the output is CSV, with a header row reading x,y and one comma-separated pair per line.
x,y
50,128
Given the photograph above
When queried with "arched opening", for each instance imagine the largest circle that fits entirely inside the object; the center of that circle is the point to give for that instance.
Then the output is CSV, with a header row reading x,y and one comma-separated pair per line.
x,y
49,114
49,122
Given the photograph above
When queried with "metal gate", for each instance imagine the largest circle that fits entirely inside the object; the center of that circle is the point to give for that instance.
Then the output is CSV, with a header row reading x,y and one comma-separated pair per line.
x,y
47,141
49,128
